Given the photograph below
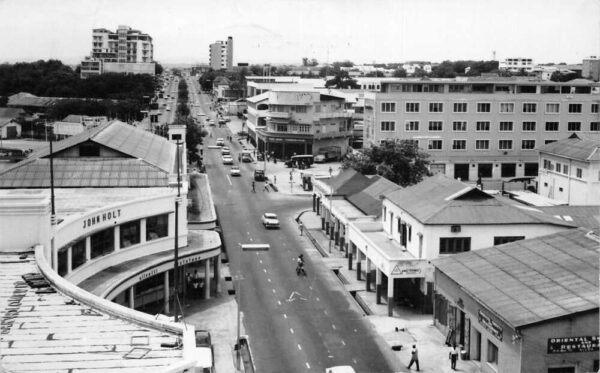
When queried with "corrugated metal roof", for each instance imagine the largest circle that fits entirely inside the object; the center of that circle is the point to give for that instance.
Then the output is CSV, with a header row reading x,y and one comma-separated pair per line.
x,y
258,98
442,200
582,216
533,280
85,173
347,182
575,148
368,200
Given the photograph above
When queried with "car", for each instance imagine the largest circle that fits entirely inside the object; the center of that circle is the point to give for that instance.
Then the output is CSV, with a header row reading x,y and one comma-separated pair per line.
x,y
203,338
340,369
270,220
220,141
246,158
225,151
211,122
227,159
320,158
235,171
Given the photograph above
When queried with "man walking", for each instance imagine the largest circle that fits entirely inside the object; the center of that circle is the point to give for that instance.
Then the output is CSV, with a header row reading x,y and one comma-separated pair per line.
x,y
453,357
414,357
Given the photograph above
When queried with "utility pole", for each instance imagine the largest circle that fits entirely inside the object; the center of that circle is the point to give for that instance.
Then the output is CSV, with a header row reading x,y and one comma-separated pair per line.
x,y
176,251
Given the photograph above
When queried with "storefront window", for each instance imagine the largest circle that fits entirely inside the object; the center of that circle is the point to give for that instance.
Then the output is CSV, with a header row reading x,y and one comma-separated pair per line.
x,y
78,253
63,261
492,353
157,227
102,243
130,233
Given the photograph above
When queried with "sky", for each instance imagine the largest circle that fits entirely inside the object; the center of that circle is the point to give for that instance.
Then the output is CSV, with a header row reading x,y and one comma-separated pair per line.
x,y
284,31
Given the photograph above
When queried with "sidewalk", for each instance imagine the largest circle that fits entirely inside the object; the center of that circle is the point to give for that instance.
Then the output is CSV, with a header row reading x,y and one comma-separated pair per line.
x,y
406,327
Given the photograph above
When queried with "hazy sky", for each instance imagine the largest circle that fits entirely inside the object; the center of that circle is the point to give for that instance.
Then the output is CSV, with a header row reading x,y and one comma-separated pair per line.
x,y
284,31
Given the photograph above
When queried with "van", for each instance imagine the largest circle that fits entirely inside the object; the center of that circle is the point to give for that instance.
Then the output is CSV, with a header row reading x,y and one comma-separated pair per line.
x,y
204,362
259,174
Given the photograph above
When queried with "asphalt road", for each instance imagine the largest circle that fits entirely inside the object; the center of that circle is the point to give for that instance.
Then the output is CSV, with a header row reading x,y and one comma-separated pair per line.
x,y
295,324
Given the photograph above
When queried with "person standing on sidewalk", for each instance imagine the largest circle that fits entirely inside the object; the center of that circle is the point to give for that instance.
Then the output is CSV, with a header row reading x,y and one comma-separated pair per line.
x,y
414,357
453,357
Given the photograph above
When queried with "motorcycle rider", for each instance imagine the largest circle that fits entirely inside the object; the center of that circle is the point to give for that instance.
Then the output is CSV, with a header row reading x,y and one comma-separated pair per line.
x,y
300,267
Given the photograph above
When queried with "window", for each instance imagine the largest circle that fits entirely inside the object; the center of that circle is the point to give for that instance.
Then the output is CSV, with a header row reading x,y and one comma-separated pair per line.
x,y
157,227
552,108
482,144
484,107
436,107
435,125
551,126
459,144
305,128
595,126
89,150
508,170
459,126
528,126
435,145
412,107
531,169
388,126
574,126
492,353
460,107
412,125
565,169
281,127
300,109
453,245
575,108
507,107
78,254
505,144
388,107
102,242
130,233
529,107
483,126
500,240
594,108
579,173
527,144
63,261
484,169
506,126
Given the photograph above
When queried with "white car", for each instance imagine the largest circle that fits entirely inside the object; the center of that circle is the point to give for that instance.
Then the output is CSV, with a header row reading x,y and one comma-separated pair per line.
x,y
235,171
220,141
270,220
227,159
340,369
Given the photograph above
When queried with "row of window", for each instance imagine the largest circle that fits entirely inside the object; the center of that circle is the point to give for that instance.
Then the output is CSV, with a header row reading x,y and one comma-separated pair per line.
x,y
485,126
453,245
461,144
560,168
486,107
103,242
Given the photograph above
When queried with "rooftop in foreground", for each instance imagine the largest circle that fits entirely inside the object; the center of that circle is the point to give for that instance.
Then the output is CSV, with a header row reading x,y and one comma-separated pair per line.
x,y
43,330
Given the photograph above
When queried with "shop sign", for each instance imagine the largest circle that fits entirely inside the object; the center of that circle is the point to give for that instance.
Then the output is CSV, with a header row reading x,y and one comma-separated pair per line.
x,y
573,344
148,274
490,325
108,215
408,269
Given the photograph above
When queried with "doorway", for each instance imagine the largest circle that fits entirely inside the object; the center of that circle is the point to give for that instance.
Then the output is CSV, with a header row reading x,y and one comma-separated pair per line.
x,y
461,171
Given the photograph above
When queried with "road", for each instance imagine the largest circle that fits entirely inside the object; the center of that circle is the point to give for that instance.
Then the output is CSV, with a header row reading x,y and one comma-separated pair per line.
x,y
295,324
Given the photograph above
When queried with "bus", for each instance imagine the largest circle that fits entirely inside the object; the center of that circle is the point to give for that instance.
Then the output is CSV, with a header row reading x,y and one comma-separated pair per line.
x,y
13,154
300,161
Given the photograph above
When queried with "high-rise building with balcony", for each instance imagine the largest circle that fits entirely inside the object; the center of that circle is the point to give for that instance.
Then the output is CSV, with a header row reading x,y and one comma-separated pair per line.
x,y
124,51
221,54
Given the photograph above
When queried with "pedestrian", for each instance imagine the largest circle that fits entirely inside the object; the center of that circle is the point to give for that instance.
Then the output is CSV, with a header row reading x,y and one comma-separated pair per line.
x,y
453,356
414,357
266,188
301,228
188,281
275,179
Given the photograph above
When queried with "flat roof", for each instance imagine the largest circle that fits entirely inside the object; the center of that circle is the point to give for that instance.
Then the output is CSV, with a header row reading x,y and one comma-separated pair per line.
x,y
530,281
43,330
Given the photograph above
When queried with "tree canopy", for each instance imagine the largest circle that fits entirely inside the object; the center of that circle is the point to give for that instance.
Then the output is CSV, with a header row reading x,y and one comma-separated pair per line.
x,y
399,161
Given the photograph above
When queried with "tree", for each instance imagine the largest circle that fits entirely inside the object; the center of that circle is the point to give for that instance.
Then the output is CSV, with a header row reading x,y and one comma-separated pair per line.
x,y
399,73
342,80
559,76
313,62
399,161
3,101
377,74
158,69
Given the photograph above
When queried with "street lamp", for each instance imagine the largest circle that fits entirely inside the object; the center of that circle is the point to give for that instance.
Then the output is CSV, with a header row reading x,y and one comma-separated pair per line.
x,y
244,247
330,211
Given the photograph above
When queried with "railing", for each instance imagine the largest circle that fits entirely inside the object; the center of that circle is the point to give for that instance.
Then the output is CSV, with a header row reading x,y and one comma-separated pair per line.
x,y
337,114
279,114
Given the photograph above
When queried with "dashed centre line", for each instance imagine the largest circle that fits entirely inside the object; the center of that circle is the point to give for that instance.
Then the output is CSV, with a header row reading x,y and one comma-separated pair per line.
x,y
299,347
333,326
291,330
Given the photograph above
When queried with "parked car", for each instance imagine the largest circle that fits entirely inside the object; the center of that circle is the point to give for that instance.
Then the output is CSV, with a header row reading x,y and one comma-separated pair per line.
x,y
220,141
235,171
270,220
204,352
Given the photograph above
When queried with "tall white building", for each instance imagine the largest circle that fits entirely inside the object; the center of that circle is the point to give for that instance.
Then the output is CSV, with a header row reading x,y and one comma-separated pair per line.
x,y
125,51
221,54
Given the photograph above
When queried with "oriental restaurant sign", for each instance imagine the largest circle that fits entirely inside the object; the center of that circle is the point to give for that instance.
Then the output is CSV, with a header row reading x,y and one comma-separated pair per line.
x,y
573,344
486,321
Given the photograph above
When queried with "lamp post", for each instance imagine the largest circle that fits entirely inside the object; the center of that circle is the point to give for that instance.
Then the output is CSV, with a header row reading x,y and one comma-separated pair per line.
x,y
239,278
176,250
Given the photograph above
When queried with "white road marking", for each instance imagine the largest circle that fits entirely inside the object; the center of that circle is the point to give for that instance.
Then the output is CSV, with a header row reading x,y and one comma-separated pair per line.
x,y
299,347
264,270
284,316
273,291
325,312
279,302
307,365
333,326
310,287
260,261
344,343
228,179
269,279
291,330
354,361
317,299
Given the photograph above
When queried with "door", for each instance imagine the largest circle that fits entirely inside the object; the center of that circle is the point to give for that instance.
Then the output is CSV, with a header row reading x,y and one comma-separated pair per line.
x,y
11,132
461,171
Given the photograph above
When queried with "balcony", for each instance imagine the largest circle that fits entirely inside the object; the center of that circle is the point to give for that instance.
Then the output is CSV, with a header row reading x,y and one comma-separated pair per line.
x,y
337,114
279,115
